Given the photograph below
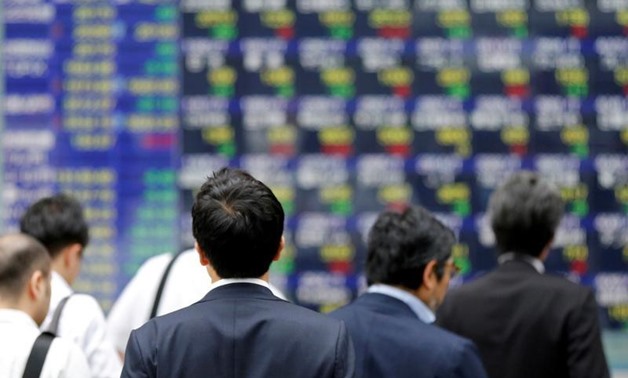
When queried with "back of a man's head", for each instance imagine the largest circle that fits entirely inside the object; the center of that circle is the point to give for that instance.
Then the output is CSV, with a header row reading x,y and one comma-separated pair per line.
x,y
20,256
402,242
524,213
238,223
57,222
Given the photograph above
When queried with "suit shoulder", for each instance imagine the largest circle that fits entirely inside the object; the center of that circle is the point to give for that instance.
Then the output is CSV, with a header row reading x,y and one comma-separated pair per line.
x,y
449,339
561,282
308,315
471,287
564,287
282,310
489,281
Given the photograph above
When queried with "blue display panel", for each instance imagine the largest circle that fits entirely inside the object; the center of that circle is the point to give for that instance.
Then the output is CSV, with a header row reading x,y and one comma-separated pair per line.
x,y
91,108
342,107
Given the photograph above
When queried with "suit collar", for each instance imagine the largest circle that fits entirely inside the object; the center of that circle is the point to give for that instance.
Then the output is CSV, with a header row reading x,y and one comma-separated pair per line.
x,y
416,305
517,265
242,290
229,281
385,304
532,261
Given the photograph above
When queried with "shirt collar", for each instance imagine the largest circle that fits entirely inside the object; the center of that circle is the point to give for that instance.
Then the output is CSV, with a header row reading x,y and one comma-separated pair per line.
x,y
61,286
533,261
416,305
9,315
228,281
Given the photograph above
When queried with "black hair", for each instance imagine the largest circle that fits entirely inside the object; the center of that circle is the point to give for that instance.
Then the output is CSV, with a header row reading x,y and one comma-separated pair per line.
x,y
57,222
524,213
238,223
402,242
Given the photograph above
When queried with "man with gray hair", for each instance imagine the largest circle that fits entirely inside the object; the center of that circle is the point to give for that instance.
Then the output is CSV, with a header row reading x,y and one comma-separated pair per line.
x,y
527,323
24,300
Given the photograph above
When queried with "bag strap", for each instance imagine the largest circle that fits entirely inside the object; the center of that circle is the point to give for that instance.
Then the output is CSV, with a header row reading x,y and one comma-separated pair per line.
x,y
54,323
36,359
162,284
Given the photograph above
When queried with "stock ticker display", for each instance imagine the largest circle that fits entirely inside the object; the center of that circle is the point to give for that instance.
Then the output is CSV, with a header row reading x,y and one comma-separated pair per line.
x,y
342,107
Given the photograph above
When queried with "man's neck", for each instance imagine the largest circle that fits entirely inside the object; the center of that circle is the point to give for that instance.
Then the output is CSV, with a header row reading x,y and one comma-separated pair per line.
x,y
59,268
20,305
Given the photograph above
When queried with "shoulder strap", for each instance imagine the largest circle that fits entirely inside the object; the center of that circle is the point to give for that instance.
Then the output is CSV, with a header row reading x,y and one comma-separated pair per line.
x,y
54,323
36,359
162,284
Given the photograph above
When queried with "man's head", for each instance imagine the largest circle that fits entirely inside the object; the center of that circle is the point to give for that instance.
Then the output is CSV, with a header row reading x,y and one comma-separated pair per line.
x,y
59,224
238,224
411,249
524,213
24,275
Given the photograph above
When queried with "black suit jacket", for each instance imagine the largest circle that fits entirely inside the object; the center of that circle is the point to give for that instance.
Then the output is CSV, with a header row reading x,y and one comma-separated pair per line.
x,y
392,342
527,324
240,330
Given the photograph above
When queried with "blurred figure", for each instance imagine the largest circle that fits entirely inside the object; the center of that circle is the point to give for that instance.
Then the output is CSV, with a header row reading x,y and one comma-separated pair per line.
x,y
239,329
59,224
526,323
186,282
24,300
408,269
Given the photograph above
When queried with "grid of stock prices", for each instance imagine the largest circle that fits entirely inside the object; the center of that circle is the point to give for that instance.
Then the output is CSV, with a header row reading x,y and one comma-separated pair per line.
x,y
342,107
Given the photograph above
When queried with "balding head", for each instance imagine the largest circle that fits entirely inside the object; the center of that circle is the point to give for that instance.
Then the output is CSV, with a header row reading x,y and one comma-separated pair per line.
x,y
20,256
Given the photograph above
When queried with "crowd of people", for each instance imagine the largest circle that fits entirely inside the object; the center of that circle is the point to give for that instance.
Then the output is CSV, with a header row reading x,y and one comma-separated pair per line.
x,y
211,311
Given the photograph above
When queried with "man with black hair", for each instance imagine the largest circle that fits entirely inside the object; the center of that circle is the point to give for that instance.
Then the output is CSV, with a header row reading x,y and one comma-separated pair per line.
x,y
408,269
24,300
527,323
58,223
239,329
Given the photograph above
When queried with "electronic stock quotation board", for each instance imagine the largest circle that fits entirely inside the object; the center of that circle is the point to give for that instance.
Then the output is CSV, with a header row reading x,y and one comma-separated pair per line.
x,y
342,107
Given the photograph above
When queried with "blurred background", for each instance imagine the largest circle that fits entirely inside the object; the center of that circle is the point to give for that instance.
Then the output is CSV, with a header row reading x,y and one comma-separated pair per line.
x,y
342,107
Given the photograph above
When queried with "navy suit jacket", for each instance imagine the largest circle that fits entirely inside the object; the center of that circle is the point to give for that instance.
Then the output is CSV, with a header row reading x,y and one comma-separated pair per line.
x,y
390,341
240,330
528,324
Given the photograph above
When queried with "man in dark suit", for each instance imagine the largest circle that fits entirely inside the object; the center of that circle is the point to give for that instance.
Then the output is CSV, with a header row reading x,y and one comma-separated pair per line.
x,y
524,322
239,329
408,270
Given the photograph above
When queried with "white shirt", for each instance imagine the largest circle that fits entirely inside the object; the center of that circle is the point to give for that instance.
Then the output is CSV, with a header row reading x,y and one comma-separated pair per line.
x,y
19,331
187,283
416,305
229,281
83,322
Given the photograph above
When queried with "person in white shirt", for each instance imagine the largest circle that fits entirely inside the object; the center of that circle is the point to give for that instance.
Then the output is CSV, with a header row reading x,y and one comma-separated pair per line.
x,y
187,282
59,224
24,300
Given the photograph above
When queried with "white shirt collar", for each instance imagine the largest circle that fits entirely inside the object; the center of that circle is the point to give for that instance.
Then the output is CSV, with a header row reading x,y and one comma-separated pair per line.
x,y
10,315
228,281
416,305
61,282
533,261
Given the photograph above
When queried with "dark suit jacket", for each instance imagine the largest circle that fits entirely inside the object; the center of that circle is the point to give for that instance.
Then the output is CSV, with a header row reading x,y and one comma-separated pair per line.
x,y
527,324
392,342
240,330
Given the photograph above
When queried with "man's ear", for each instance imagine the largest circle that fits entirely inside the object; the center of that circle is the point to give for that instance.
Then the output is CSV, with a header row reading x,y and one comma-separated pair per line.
x,y
282,244
36,285
72,254
429,275
201,255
